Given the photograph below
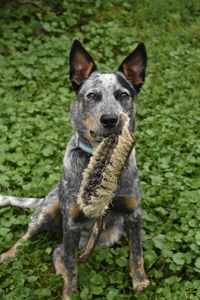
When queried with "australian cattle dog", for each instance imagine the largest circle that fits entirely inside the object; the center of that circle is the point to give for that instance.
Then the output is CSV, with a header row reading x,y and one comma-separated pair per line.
x,y
100,101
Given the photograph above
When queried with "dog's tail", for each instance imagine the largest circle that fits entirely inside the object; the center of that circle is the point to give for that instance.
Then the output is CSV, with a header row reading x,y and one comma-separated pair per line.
x,y
30,202
20,202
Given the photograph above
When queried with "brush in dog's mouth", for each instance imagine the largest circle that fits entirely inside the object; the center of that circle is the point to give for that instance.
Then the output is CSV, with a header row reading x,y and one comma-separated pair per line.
x,y
104,169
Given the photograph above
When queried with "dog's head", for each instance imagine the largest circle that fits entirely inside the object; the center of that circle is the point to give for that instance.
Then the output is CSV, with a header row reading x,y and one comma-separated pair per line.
x,y
103,99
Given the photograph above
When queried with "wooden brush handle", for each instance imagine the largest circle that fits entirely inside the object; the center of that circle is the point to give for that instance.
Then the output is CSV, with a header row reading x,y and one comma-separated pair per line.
x,y
92,239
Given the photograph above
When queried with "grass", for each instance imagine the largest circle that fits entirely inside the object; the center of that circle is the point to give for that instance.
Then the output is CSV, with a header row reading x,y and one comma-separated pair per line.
x,y
35,126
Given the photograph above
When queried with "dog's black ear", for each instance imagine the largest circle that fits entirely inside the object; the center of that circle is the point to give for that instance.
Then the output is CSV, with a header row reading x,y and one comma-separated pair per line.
x,y
81,64
134,66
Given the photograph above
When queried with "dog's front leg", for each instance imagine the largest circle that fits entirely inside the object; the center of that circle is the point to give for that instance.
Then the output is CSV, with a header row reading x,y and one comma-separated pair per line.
x,y
71,236
133,228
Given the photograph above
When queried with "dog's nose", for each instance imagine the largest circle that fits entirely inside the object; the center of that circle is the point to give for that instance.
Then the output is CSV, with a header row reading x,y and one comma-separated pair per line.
x,y
109,120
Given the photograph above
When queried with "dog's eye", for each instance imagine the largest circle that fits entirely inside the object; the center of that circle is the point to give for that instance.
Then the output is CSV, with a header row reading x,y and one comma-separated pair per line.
x,y
124,95
92,96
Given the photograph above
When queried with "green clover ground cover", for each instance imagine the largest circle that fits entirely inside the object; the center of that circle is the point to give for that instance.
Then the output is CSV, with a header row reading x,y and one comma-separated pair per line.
x,y
35,126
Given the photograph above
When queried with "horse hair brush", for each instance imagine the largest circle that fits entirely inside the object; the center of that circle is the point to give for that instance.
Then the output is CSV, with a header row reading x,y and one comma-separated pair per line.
x,y
104,169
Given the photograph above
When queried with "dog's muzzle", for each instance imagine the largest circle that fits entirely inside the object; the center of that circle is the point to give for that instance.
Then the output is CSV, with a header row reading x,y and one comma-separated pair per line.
x,y
110,124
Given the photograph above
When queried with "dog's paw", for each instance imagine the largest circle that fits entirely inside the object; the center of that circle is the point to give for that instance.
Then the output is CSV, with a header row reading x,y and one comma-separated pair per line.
x,y
65,297
139,286
3,257
2,261
7,254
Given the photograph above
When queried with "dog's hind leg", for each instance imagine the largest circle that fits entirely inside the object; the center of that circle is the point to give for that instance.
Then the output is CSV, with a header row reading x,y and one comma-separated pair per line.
x,y
133,228
13,250
46,217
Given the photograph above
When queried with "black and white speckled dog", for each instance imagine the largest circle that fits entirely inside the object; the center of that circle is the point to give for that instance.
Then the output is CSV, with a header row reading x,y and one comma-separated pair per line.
x,y
101,100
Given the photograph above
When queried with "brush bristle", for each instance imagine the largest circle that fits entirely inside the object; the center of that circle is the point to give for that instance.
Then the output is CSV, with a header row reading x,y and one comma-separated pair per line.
x,y
104,169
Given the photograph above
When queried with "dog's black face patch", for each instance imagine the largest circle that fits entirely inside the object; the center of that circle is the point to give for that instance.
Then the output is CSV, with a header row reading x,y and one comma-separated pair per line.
x,y
126,85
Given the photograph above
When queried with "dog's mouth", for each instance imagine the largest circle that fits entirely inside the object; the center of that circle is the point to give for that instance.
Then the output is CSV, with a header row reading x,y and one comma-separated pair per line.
x,y
99,135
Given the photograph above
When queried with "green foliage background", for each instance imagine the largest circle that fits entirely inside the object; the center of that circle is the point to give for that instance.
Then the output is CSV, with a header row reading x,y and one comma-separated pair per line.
x,y
35,126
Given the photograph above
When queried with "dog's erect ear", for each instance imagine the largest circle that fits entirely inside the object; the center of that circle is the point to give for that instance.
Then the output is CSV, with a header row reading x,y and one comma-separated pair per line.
x,y
81,64
134,65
